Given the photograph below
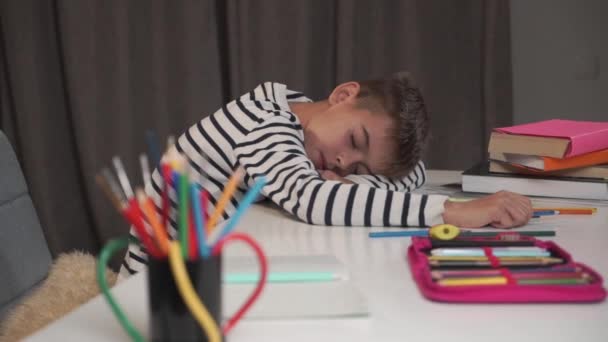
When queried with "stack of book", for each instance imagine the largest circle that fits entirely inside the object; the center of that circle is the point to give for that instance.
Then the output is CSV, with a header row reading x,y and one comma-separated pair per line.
x,y
555,158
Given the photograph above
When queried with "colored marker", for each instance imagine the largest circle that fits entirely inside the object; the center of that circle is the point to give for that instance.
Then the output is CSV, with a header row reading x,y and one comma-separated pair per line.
x,y
281,277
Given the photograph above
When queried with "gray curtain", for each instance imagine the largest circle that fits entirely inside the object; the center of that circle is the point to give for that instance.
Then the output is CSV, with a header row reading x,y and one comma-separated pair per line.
x,y
83,80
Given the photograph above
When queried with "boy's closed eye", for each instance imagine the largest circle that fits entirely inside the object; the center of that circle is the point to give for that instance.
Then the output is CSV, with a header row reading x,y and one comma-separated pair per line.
x,y
359,139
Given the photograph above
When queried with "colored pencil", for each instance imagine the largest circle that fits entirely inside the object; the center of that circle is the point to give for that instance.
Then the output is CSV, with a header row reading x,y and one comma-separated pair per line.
x,y
247,200
133,214
571,211
480,263
576,212
401,233
183,193
193,251
112,191
568,211
563,281
167,184
131,210
153,148
145,172
504,281
516,275
122,177
463,234
497,272
496,251
230,188
480,243
545,213
485,258
468,233
473,281
148,208
199,220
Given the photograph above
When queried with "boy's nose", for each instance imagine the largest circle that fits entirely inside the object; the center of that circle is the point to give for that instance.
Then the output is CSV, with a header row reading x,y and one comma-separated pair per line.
x,y
341,162
344,162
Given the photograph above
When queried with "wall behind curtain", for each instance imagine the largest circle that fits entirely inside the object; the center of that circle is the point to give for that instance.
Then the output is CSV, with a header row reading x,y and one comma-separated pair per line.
x,y
83,80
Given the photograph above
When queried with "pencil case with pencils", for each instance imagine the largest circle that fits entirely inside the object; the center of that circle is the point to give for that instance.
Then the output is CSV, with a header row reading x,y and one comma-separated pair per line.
x,y
494,270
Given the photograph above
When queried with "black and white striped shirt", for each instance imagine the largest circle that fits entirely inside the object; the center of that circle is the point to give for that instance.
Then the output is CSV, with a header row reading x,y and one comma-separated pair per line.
x,y
259,132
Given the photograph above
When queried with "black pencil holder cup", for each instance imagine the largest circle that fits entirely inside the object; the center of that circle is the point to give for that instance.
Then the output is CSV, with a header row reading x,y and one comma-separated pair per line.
x,y
170,319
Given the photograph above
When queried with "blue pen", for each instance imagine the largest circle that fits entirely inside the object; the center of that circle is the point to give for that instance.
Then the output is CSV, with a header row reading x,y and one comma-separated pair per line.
x,y
406,233
248,199
199,220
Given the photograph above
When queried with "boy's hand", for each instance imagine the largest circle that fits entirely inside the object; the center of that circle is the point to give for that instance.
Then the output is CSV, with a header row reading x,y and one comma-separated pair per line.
x,y
330,175
503,209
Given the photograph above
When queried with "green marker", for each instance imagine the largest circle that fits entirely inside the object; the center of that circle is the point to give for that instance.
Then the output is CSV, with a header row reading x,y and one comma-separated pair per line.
x,y
280,277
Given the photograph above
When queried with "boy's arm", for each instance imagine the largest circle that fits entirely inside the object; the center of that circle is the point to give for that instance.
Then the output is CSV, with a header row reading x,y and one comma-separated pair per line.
x,y
294,184
414,180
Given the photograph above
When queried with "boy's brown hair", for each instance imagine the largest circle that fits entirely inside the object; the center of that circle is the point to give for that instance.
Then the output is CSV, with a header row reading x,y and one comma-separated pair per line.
x,y
399,97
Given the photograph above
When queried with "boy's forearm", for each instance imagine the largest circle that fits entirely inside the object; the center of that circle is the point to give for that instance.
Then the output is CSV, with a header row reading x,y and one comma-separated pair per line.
x,y
415,179
334,203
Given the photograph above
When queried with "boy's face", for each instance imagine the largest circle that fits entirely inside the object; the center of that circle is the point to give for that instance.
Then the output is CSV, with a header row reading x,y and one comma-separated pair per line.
x,y
347,139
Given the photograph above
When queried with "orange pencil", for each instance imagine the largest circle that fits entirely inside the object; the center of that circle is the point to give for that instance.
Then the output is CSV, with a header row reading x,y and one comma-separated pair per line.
x,y
147,206
230,188
575,212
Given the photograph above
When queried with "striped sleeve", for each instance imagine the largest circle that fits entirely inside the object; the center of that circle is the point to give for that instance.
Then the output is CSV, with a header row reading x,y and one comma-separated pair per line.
x,y
277,152
412,181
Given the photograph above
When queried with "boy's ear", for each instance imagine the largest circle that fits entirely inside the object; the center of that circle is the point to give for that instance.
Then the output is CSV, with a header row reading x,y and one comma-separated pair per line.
x,y
344,92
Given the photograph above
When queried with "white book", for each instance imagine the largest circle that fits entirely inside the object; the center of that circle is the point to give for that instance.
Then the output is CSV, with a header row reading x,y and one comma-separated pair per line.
x,y
479,179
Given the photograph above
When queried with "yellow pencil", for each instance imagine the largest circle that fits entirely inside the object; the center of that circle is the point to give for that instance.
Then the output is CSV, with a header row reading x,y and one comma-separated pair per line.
x,y
484,258
233,183
473,281
504,280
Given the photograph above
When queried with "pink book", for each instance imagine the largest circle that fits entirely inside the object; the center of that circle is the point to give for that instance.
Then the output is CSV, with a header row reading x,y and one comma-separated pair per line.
x,y
584,136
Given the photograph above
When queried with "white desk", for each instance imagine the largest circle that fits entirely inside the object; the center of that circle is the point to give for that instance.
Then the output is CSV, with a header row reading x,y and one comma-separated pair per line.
x,y
378,268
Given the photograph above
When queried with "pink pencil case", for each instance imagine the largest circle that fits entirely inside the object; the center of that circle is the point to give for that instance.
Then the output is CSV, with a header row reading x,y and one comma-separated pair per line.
x,y
508,293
